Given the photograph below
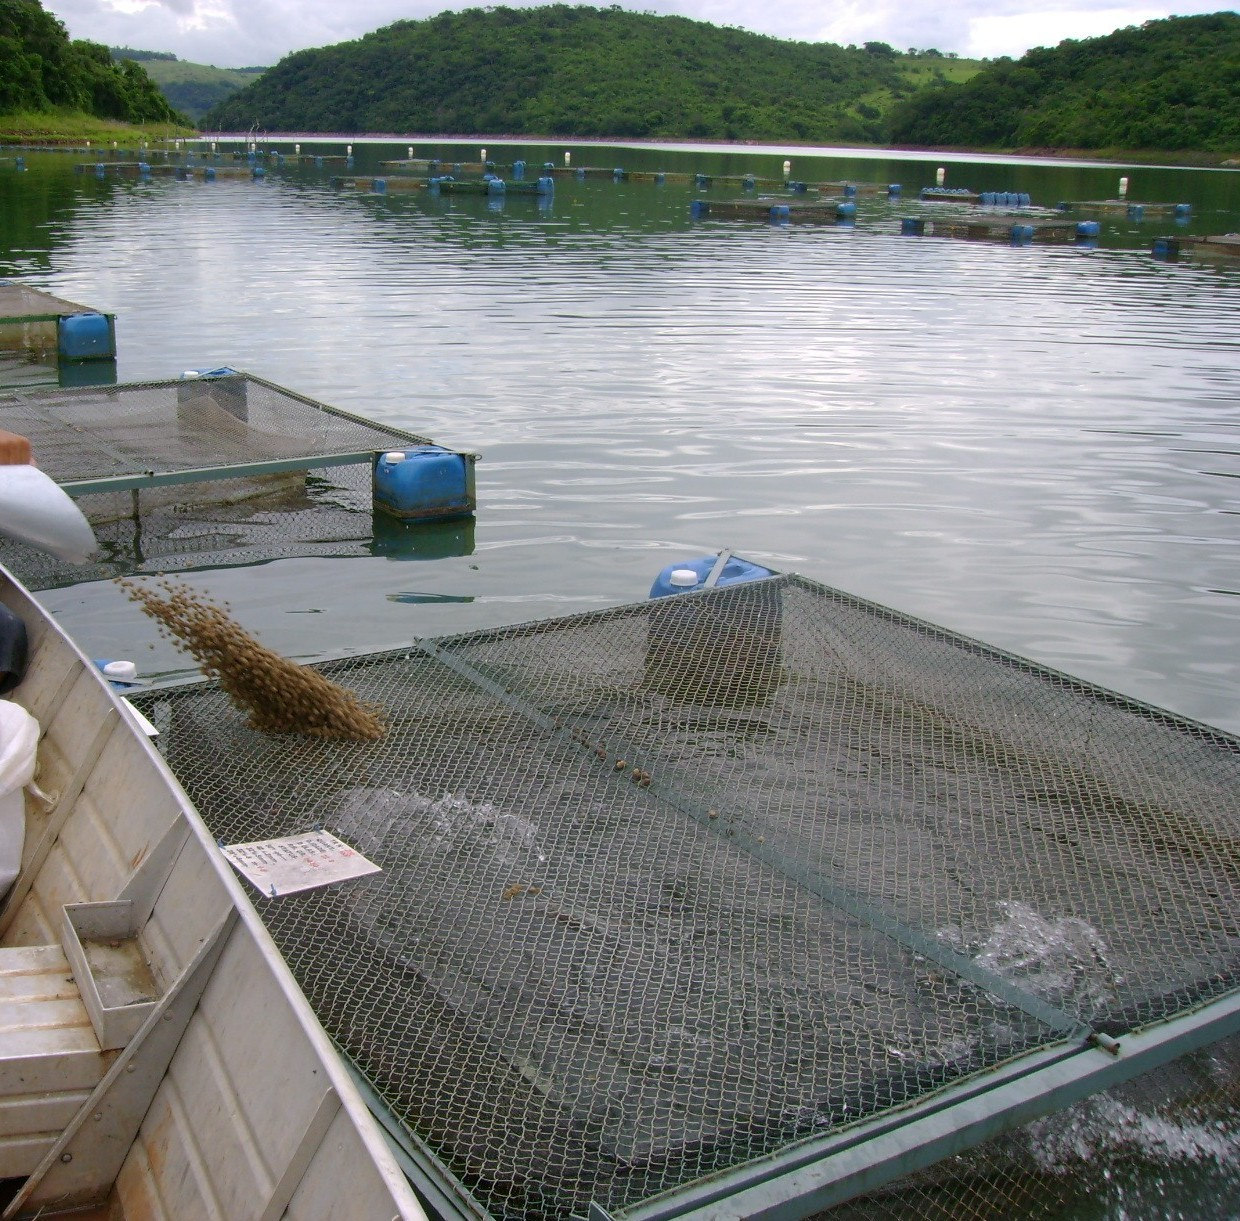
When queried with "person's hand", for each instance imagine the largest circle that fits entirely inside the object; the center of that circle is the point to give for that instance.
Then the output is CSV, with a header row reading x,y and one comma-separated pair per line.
x,y
14,449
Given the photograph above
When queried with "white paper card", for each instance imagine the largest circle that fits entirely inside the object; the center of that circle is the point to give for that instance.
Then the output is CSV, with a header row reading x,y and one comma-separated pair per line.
x,y
298,862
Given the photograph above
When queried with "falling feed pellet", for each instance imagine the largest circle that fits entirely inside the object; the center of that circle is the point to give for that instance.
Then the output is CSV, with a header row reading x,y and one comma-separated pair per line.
x,y
278,695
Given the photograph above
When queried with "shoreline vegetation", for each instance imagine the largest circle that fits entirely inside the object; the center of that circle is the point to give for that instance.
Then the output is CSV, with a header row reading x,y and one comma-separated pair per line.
x,y
69,130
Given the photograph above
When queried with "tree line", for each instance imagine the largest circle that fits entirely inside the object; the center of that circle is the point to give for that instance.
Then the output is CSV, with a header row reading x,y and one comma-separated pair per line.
x,y
1167,85
43,70
577,71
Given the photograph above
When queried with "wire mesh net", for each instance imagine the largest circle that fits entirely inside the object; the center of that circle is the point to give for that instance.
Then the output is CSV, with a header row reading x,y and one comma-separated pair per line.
x,y
206,423
671,886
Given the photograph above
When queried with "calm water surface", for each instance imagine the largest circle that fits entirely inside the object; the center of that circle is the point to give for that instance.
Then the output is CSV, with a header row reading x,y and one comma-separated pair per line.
x,y
1038,446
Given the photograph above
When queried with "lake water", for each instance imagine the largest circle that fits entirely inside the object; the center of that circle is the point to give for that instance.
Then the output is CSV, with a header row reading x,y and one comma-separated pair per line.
x,y
1035,445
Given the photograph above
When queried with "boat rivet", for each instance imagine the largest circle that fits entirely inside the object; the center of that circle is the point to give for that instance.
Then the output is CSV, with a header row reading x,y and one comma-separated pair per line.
x,y
66,1157
98,1116
130,1067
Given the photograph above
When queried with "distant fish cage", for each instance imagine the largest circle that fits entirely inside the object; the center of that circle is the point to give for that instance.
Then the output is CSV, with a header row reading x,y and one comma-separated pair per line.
x,y
750,902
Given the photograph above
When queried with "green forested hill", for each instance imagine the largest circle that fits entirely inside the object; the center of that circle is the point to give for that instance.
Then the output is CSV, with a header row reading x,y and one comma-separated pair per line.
x,y
1166,85
190,88
41,70
569,70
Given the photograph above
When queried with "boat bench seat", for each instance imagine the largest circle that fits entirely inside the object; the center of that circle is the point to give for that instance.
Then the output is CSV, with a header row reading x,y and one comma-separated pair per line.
x,y
50,1057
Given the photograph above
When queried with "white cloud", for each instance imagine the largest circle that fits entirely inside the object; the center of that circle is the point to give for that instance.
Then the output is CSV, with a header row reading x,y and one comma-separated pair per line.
x,y
238,33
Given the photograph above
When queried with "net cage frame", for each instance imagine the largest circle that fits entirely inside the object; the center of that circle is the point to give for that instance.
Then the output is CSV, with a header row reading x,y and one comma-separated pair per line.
x,y
722,904
86,438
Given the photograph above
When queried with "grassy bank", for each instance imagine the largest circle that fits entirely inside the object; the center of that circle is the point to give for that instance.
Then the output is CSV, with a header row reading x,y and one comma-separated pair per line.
x,y
75,127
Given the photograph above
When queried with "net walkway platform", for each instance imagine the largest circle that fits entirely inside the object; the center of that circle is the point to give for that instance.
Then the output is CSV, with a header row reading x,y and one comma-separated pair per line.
x,y
735,903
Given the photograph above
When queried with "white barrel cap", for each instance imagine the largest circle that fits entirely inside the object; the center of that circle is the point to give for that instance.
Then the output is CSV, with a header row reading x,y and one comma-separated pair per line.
x,y
683,576
394,455
123,670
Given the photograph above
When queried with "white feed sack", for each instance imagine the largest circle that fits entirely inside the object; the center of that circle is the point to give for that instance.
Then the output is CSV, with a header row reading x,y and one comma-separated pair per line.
x,y
19,742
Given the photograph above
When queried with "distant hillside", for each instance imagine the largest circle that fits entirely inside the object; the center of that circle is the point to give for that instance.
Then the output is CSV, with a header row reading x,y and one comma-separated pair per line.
x,y
577,71
190,88
1166,85
42,71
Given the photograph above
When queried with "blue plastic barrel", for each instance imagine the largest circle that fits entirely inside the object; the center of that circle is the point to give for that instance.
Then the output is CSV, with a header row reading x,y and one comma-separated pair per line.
x,y
19,163
701,180
1088,228
423,483
912,226
894,189
660,179
87,336
846,210
209,173
258,172
546,185
749,183
850,189
580,174
1023,200
780,212
1022,233
987,199
1183,210
1166,248
687,576
144,169
496,186
518,171
798,188
379,186
100,170
699,208
1136,212
618,174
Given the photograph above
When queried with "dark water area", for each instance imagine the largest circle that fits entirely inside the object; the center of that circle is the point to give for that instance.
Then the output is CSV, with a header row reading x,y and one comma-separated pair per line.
x,y
1036,445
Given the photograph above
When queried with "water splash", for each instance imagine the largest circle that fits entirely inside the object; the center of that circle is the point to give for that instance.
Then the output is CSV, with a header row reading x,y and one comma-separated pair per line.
x,y
1063,960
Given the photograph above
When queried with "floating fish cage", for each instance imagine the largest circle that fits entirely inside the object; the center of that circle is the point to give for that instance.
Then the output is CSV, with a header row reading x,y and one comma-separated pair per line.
x,y
226,468
752,901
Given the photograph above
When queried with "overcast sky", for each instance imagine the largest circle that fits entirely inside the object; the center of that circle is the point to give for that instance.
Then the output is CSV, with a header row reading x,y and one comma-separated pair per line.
x,y
252,33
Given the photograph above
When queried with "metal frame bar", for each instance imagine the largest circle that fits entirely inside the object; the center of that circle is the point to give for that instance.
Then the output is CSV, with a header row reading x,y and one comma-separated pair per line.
x,y
151,479
818,1174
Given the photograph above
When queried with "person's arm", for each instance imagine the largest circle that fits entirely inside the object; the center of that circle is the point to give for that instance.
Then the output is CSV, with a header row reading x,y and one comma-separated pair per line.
x,y
14,449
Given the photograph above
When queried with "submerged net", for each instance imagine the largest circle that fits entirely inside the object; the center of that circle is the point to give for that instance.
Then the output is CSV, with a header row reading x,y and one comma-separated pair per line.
x,y
673,886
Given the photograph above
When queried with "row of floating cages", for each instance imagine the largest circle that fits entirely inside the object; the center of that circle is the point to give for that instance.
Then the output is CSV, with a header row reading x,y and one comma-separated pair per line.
x,y
221,467
757,899
45,339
